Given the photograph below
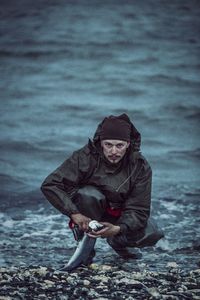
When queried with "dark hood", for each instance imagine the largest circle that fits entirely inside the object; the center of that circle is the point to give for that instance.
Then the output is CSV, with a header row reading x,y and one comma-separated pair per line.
x,y
135,135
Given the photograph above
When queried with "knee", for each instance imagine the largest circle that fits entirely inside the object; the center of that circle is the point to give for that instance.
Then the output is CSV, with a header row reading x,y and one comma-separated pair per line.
x,y
118,241
91,192
89,202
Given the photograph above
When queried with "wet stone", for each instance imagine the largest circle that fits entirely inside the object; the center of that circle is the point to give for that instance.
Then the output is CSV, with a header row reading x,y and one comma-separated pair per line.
x,y
172,265
86,282
129,283
42,296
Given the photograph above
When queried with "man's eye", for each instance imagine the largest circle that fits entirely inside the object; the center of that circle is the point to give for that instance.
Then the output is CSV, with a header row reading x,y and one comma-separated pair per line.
x,y
108,145
120,145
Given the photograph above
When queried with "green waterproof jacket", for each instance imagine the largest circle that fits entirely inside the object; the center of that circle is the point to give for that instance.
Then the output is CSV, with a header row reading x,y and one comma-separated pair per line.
x,y
126,185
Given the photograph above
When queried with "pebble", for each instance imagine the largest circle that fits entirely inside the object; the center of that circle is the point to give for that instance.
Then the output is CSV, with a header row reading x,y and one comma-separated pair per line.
x,y
94,266
154,292
101,279
106,268
195,272
86,282
49,282
130,283
42,271
172,265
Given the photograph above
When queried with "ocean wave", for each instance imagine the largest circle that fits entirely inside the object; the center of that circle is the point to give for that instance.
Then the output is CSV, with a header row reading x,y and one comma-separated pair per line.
x,y
182,108
42,147
195,153
194,115
8,179
186,110
124,92
21,146
171,80
149,60
195,246
155,143
34,54
15,199
71,109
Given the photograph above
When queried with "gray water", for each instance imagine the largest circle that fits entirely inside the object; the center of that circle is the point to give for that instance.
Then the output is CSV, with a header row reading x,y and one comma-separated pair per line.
x,y
65,65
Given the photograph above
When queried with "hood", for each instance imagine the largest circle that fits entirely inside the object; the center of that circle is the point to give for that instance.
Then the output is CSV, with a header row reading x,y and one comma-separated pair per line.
x,y
135,135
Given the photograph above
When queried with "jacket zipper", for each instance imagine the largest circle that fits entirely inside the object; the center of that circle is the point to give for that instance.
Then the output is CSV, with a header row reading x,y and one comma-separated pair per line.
x,y
117,189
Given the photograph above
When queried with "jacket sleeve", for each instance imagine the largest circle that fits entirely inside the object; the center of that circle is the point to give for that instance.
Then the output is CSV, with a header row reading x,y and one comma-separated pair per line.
x,y
61,185
137,206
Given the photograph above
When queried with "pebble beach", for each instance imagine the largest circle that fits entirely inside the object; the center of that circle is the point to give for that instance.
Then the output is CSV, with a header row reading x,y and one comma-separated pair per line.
x,y
100,282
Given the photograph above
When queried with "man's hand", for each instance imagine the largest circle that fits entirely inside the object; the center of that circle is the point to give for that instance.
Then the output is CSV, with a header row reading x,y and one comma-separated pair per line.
x,y
108,231
81,220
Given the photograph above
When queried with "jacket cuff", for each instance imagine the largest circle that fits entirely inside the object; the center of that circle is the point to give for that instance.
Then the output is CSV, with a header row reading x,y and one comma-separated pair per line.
x,y
71,212
123,228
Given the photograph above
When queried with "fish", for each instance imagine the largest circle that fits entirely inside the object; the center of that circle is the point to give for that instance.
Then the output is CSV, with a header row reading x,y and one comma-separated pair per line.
x,y
82,254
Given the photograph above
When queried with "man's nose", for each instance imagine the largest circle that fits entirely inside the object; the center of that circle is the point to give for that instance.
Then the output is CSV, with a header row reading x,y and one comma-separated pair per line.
x,y
114,149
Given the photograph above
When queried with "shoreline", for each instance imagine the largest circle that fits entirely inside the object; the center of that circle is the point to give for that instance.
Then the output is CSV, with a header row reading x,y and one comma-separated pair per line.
x,y
99,282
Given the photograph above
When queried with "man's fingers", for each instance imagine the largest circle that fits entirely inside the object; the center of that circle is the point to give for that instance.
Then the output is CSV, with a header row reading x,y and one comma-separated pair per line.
x,y
85,226
102,230
98,233
106,224
92,235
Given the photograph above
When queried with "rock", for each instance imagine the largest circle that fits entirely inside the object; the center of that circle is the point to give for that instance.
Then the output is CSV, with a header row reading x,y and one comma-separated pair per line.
x,y
154,292
3,270
84,290
42,296
196,292
169,297
49,282
129,283
27,273
94,266
172,265
42,271
119,295
191,285
7,277
86,282
171,277
101,279
195,272
182,288
18,295
102,298
106,268
103,290
138,276
4,282
57,273
59,287
62,297
70,280
92,293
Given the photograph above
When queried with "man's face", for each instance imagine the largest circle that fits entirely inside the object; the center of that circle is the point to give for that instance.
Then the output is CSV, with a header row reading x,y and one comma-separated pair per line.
x,y
114,150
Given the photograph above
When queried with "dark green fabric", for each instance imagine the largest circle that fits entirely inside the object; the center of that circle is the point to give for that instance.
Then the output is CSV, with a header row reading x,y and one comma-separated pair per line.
x,y
126,184
91,203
